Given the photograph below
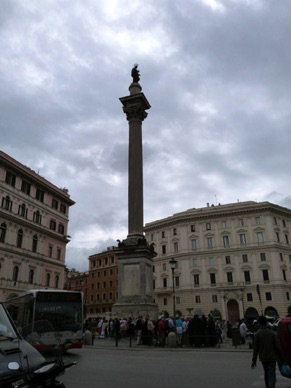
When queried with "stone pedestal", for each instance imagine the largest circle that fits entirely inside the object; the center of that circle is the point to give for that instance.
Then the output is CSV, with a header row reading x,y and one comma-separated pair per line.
x,y
135,279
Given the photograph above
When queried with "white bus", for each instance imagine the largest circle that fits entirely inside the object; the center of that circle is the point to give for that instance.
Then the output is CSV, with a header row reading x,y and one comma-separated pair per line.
x,y
47,317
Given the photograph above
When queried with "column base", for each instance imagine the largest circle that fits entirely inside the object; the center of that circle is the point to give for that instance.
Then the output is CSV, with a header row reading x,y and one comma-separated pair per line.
x,y
135,309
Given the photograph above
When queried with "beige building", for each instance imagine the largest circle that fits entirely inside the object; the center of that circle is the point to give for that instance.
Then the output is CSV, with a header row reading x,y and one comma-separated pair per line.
x,y
233,260
34,217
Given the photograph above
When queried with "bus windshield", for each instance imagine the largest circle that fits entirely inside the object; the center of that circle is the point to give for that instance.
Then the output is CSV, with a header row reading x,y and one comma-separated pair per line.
x,y
63,314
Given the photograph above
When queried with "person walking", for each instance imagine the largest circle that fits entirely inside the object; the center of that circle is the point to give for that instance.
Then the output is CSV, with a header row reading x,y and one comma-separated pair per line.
x,y
267,347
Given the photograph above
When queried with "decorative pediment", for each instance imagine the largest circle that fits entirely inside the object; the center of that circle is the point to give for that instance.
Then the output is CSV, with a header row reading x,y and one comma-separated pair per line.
x,y
194,236
225,233
241,231
264,266
228,268
246,268
212,270
259,229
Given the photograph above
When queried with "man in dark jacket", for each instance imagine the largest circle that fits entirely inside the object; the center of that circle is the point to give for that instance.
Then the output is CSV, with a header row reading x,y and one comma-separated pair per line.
x,y
267,346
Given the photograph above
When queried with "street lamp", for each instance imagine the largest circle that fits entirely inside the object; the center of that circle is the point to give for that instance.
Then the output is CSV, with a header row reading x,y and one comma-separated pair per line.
x,y
173,263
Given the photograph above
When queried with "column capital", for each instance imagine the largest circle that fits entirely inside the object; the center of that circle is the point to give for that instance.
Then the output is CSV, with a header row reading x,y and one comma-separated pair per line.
x,y
135,113
135,106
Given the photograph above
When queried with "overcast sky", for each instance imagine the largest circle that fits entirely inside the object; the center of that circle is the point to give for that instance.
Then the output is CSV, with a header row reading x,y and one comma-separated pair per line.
x,y
217,74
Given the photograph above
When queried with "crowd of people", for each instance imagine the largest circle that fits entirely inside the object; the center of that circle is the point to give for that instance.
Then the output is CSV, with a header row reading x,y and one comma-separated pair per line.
x,y
200,331
197,331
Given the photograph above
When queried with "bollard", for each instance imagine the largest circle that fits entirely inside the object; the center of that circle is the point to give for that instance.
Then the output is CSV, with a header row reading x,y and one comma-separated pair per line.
x,y
172,341
87,338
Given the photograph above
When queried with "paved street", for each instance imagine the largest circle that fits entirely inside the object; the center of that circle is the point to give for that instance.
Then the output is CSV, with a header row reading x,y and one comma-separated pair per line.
x,y
104,365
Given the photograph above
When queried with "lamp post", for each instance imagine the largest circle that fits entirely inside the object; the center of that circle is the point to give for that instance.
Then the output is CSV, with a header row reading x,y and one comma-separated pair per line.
x,y
173,263
225,307
260,299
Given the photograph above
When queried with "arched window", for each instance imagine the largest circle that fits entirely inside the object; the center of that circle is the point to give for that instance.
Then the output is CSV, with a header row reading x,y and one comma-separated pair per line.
x,y
22,211
3,228
6,203
53,224
15,273
34,243
19,238
57,279
37,217
251,313
31,276
271,312
48,279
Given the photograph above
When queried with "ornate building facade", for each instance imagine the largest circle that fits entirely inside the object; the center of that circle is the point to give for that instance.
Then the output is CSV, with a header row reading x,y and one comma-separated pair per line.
x,y
34,217
232,260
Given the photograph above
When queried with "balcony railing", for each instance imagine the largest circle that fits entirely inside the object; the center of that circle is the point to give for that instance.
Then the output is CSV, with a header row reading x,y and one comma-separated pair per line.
x,y
18,285
230,285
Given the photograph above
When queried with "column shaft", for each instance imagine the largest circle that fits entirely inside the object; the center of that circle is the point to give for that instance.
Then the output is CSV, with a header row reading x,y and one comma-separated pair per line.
x,y
135,178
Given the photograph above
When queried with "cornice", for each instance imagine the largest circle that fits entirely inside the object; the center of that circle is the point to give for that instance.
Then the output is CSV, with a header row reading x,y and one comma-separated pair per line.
x,y
31,202
40,259
10,217
32,176
218,211
104,254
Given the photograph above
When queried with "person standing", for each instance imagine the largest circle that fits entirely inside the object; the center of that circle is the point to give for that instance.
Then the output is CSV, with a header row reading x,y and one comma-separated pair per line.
x,y
116,328
243,331
161,328
93,331
179,330
151,330
267,347
103,329
138,330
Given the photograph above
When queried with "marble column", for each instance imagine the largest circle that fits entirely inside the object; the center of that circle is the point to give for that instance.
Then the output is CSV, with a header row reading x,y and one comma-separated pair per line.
x,y
135,255
135,106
